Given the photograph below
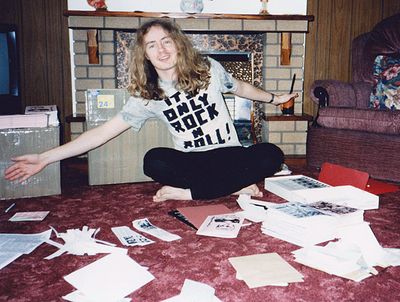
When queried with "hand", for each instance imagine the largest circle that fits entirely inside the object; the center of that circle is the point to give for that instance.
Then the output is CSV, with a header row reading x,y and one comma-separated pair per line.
x,y
283,98
24,167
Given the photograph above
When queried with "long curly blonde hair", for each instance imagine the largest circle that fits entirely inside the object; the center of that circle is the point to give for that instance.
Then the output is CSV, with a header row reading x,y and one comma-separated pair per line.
x,y
192,69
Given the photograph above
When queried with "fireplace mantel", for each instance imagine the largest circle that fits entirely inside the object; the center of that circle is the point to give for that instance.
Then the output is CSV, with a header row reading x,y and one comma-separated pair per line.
x,y
140,14
103,19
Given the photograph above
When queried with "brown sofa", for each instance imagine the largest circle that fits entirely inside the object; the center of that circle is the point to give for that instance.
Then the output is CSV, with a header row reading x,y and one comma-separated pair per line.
x,y
347,131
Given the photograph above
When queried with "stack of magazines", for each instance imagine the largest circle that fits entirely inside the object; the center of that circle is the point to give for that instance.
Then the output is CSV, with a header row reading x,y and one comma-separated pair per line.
x,y
308,224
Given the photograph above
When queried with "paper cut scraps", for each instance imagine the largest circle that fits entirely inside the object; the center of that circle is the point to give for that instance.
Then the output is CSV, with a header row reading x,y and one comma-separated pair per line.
x,y
193,291
81,242
109,279
144,225
265,269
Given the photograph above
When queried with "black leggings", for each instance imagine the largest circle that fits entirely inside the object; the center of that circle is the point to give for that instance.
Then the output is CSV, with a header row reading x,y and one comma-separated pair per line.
x,y
214,173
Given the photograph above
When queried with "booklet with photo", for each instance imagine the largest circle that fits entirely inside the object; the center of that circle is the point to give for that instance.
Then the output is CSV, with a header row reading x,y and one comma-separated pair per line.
x,y
224,226
197,214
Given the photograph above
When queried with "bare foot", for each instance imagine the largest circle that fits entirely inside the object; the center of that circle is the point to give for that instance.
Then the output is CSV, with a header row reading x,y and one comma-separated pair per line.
x,y
251,190
168,192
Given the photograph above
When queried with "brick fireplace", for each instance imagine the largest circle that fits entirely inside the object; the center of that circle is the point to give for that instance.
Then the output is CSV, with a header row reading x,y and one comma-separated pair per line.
x,y
290,135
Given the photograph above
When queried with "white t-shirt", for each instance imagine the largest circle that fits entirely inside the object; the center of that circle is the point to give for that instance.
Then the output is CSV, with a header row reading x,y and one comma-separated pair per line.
x,y
196,123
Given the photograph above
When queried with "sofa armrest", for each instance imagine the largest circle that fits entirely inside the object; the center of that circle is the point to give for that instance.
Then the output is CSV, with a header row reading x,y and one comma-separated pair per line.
x,y
333,93
362,92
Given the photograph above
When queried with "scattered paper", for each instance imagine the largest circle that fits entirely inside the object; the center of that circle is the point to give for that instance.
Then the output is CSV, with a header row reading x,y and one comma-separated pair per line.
x,y
193,291
265,269
110,278
29,216
22,243
81,242
13,246
224,226
335,259
144,225
7,257
352,257
129,237
254,210
283,171
362,235
77,296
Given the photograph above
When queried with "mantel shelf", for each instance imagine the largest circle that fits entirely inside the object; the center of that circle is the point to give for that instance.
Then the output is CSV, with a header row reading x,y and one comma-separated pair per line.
x,y
105,13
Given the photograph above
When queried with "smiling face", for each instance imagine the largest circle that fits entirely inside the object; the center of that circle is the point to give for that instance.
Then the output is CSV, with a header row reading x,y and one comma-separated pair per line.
x,y
161,51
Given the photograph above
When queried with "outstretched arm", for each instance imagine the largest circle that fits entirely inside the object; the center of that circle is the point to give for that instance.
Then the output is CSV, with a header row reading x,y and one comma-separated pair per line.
x,y
26,166
251,92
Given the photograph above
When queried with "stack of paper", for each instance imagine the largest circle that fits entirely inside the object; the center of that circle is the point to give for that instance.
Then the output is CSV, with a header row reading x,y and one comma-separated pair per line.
x,y
23,121
300,188
265,269
342,195
49,110
288,186
352,257
344,215
108,279
299,224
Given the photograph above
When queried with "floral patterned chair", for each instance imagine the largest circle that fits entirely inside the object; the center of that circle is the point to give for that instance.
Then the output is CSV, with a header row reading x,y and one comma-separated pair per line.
x,y
358,123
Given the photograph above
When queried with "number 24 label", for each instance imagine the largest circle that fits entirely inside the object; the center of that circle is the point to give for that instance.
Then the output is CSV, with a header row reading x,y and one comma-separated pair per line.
x,y
105,101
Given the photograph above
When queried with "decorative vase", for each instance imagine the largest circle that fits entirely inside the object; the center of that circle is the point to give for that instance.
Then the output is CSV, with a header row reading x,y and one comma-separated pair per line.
x,y
192,6
98,4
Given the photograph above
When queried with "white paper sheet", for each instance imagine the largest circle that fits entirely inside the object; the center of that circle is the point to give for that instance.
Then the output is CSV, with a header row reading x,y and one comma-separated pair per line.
x,y
22,243
110,278
194,291
265,269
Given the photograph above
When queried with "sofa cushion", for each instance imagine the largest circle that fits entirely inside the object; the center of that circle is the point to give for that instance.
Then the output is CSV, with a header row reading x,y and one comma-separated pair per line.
x,y
386,90
374,121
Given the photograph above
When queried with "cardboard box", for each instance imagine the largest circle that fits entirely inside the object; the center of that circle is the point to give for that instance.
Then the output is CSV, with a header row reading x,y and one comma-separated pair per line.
x,y
103,104
120,160
14,142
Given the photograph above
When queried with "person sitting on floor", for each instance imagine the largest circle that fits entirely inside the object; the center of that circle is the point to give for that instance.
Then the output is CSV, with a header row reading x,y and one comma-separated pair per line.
x,y
173,82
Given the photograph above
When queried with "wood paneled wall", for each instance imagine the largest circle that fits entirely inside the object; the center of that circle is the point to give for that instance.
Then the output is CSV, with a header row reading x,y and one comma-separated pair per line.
x,y
45,60
328,44
43,51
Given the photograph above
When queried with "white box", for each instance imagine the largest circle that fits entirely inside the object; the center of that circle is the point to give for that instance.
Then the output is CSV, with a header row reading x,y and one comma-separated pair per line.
x,y
305,189
16,121
50,110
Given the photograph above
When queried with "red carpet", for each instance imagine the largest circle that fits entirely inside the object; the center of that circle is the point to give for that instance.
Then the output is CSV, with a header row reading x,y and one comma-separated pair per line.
x,y
204,259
